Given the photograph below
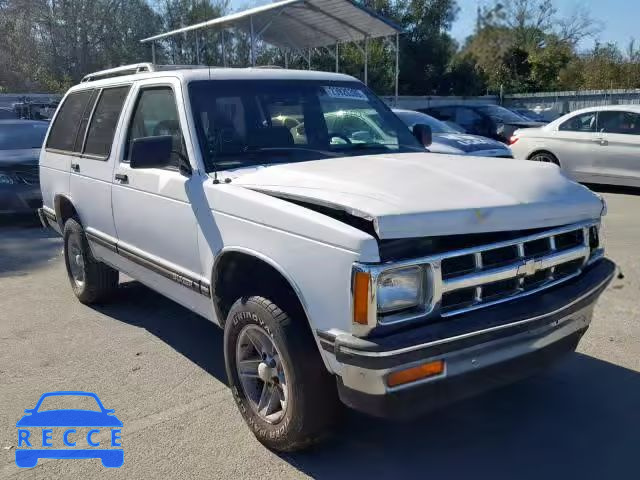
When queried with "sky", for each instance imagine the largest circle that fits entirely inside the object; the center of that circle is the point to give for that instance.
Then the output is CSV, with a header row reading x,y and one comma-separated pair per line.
x,y
618,18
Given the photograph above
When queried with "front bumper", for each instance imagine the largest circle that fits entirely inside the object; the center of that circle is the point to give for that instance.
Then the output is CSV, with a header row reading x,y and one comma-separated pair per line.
x,y
481,349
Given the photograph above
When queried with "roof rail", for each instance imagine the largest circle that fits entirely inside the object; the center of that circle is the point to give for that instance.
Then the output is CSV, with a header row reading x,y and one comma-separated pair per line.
x,y
119,71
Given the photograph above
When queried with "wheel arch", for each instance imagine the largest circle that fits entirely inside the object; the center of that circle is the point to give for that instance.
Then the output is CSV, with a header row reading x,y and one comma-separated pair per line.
x,y
544,150
65,209
228,255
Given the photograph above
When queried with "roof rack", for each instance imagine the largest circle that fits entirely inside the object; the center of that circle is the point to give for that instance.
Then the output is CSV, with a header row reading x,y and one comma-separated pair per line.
x,y
135,68
119,71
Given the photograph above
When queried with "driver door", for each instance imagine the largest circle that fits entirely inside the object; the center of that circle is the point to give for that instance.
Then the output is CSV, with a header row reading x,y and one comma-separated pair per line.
x,y
154,219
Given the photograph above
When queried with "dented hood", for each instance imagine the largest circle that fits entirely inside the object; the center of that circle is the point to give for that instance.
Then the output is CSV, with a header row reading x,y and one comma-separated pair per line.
x,y
424,194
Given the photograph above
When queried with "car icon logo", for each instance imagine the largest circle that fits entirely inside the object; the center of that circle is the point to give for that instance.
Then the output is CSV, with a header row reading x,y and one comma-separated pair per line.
x,y
71,423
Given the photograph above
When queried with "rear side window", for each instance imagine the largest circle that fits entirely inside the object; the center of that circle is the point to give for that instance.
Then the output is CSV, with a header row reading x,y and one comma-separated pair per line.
x,y
65,127
104,121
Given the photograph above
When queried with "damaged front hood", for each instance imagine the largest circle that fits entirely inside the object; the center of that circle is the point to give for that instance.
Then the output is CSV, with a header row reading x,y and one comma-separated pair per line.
x,y
423,194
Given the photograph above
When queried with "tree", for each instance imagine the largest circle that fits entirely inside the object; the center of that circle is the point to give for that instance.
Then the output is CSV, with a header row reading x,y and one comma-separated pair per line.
x,y
524,45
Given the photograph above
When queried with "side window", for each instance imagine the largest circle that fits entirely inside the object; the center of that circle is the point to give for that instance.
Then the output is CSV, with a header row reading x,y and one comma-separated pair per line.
x,y
156,114
65,127
104,121
627,123
585,122
467,118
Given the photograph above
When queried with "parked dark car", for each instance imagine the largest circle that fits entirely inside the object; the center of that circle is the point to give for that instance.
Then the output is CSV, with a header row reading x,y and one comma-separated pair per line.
x,y
20,143
491,121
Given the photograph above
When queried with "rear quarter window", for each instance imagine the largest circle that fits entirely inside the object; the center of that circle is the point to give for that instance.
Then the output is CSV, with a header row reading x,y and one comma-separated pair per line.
x,y
65,127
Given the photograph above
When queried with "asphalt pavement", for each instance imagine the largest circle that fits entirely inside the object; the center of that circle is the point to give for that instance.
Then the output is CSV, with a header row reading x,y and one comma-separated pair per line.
x,y
161,368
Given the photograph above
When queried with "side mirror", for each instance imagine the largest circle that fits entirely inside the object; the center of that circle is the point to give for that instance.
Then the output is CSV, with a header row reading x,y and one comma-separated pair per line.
x,y
423,133
151,152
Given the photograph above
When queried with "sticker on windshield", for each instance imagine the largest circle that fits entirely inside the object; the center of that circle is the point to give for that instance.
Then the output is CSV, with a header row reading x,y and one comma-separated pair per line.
x,y
345,93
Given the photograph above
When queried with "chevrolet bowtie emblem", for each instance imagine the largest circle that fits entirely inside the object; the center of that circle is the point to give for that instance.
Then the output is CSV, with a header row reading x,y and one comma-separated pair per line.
x,y
528,268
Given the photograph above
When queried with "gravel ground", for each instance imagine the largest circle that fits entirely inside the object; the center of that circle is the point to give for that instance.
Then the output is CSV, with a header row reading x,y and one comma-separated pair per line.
x,y
161,368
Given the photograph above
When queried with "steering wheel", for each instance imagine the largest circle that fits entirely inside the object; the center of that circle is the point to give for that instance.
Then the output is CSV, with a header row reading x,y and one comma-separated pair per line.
x,y
341,137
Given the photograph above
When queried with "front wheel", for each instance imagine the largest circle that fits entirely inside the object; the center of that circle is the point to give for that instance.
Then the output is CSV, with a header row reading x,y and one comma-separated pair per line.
x,y
277,377
545,157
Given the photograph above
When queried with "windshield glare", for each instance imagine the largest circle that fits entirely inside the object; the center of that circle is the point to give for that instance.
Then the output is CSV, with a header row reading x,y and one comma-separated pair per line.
x,y
501,114
414,118
244,123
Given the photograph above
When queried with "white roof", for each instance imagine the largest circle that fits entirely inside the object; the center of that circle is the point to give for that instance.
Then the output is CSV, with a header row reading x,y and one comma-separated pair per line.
x,y
302,23
195,72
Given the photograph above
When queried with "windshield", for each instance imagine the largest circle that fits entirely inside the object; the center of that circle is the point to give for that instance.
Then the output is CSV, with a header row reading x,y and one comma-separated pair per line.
x,y
501,114
414,118
242,123
21,137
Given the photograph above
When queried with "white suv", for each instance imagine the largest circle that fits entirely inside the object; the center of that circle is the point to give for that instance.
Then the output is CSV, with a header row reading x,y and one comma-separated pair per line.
x,y
342,266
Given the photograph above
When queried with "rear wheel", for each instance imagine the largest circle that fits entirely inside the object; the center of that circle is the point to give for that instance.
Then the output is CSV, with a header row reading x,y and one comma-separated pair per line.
x,y
91,280
277,377
545,157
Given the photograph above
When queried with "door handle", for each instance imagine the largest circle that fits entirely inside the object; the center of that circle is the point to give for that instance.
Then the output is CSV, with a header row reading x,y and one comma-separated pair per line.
x,y
121,177
75,167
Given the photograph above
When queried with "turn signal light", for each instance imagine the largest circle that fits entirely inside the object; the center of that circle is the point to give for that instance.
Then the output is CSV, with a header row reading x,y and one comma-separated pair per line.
x,y
513,140
413,374
361,298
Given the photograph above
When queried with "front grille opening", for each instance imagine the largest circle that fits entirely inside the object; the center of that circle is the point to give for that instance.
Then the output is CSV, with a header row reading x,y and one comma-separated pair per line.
x,y
537,248
499,256
568,240
503,288
456,266
568,268
458,299
536,279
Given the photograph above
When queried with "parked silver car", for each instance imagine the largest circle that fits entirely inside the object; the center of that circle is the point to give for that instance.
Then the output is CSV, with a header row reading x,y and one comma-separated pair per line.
x,y
593,145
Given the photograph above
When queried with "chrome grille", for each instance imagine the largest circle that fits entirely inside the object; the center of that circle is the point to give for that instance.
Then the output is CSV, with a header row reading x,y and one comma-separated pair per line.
x,y
478,277
504,271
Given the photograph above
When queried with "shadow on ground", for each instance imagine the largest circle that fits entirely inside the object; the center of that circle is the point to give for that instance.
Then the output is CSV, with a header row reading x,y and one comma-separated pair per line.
x,y
25,246
188,333
614,189
579,419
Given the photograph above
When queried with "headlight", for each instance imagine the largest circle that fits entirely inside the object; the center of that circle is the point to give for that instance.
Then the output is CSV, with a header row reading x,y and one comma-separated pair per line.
x,y
6,179
399,289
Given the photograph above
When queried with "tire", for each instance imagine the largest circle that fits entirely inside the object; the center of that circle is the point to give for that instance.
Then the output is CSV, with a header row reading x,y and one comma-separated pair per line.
x,y
312,405
545,157
99,280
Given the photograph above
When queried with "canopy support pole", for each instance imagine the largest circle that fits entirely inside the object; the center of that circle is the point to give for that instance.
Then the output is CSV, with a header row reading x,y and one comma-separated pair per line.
x,y
397,77
337,57
197,49
309,59
153,52
253,46
286,58
222,48
366,60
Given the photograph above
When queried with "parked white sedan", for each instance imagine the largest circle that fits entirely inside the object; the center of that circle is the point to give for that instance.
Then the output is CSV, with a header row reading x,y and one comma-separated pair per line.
x,y
593,145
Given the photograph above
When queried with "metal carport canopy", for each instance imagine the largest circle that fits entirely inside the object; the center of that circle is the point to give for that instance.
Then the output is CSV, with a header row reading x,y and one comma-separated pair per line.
x,y
302,24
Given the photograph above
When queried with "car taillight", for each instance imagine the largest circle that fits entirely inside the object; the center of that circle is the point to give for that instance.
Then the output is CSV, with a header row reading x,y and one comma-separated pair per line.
x,y
513,140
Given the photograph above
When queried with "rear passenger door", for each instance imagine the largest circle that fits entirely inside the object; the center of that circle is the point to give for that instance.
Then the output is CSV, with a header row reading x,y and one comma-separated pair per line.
x,y
620,139
92,168
154,219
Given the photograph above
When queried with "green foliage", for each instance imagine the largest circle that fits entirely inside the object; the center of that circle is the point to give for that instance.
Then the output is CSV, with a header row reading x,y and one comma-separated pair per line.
x,y
517,46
